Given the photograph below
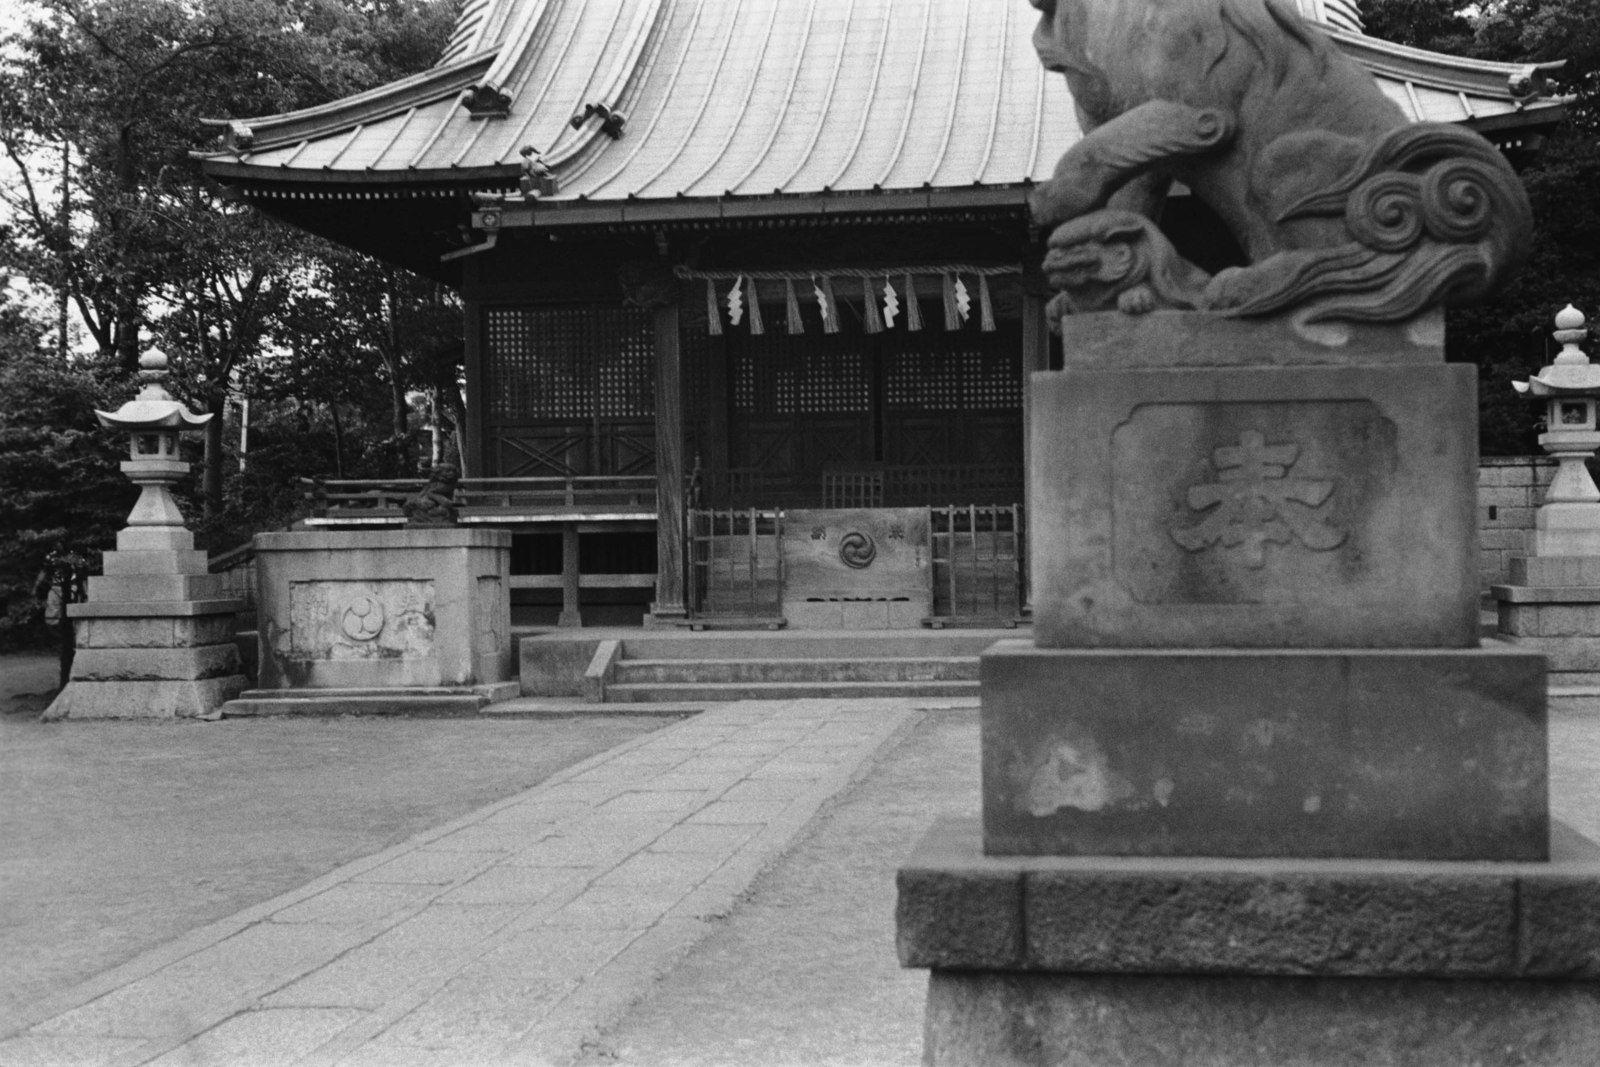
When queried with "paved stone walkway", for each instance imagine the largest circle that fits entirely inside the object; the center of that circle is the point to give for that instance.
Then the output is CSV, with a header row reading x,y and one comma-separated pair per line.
x,y
512,935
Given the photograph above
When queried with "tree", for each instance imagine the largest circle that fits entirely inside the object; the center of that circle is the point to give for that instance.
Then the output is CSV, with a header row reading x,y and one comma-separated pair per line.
x,y
101,103
1509,336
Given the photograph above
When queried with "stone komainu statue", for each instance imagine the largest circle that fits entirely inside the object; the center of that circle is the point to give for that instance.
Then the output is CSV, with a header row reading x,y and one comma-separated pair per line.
x,y
435,503
1344,208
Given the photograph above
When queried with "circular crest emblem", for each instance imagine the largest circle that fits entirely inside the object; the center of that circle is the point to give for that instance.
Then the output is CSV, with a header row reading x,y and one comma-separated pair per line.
x,y
363,618
857,549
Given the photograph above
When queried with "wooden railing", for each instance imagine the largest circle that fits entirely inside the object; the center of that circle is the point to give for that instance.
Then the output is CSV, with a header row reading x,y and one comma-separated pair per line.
x,y
382,500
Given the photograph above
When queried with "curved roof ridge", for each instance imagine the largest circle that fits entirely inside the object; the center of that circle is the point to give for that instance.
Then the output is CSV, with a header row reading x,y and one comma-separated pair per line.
x,y
866,107
289,127
647,16
776,123
523,31
911,99
999,95
827,97
643,138
955,91
743,109
705,98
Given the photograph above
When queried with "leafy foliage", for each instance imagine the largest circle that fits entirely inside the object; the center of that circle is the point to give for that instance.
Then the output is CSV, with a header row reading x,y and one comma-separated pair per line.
x,y
65,497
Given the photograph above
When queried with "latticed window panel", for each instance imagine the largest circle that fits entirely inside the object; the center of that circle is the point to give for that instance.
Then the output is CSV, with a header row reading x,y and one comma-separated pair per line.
x,y
568,363
954,372
991,380
824,374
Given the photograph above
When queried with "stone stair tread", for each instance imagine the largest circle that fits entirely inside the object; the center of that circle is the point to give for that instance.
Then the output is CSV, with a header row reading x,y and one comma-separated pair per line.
x,y
819,660
665,691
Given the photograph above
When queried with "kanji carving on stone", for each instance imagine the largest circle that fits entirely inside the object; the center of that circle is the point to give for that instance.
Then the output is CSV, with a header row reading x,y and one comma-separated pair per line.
x,y
1254,502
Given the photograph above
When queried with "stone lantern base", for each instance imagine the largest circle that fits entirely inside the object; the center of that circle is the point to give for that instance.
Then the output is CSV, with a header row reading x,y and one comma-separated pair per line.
x,y
1552,605
155,638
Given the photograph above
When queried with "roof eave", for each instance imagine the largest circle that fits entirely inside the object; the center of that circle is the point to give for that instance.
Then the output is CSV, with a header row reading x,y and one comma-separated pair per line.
x,y
228,169
583,212
1479,77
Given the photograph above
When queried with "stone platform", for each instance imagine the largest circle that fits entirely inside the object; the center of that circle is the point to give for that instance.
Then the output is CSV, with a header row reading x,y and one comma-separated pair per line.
x,y
1416,754
1208,961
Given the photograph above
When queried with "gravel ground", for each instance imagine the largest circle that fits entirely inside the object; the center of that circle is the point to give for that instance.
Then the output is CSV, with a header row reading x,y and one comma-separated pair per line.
x,y
119,836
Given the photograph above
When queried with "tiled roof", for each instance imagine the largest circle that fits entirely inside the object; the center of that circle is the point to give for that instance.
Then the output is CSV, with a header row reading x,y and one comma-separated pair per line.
x,y
750,98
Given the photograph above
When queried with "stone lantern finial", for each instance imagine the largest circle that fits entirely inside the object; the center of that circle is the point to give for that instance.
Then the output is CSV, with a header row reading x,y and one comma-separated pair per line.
x,y
1570,330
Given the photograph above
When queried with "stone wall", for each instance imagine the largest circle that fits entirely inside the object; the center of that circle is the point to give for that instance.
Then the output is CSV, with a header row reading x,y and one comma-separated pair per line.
x,y
1510,489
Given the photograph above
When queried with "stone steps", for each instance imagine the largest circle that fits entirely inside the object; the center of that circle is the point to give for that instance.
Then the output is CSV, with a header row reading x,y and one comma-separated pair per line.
x,y
722,691
864,669
786,665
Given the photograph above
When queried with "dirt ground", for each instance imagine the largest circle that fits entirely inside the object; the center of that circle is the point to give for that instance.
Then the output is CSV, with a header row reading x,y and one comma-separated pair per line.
x,y
118,836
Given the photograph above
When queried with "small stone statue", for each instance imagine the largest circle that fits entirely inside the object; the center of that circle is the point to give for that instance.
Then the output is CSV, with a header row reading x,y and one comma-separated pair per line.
x,y
537,179
1345,210
434,504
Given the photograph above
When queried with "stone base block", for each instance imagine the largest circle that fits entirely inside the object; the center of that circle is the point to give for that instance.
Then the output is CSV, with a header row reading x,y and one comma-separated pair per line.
x,y
1567,530
1407,754
1555,570
1336,918
162,631
156,587
155,664
1186,962
984,1019
146,699
1265,507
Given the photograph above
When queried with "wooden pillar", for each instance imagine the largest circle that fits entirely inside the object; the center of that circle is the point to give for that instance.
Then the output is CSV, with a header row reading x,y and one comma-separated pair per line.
x,y
474,460
1035,357
570,615
670,602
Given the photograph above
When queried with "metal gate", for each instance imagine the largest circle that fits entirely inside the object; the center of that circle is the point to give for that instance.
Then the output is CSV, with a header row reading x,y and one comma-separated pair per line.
x,y
979,564
736,566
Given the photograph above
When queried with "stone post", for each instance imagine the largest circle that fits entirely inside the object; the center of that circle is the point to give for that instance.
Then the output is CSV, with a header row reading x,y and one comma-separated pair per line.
x,y
155,636
1551,602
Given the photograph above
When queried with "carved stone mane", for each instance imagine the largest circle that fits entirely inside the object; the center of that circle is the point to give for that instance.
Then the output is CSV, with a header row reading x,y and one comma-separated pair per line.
x,y
1344,209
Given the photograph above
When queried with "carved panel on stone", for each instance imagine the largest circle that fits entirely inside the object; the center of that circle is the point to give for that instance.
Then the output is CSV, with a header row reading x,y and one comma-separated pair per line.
x,y
1257,503
347,620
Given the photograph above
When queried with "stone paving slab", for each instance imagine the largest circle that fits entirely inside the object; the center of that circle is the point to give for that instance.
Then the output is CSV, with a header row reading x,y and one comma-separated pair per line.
x,y
512,935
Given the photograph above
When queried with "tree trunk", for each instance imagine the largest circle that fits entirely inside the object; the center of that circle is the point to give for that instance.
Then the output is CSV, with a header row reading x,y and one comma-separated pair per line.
x,y
211,478
338,441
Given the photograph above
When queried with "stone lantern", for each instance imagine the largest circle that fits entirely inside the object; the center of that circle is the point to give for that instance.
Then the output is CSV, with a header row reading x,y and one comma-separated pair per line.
x,y
1568,524
155,636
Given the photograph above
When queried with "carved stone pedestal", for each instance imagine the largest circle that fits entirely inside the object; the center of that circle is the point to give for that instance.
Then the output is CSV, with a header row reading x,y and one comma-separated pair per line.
x,y
1255,795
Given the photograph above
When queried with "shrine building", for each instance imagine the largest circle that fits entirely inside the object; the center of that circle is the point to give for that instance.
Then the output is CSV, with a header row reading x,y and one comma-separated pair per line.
x,y
748,327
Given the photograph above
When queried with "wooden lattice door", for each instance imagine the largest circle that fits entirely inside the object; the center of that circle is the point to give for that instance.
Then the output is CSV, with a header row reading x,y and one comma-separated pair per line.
x,y
568,390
